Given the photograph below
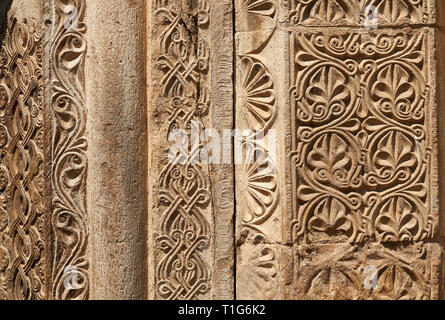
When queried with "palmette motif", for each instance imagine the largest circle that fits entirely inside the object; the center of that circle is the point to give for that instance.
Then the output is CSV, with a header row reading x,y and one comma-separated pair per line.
x,y
354,12
257,183
183,236
23,243
371,271
362,152
66,38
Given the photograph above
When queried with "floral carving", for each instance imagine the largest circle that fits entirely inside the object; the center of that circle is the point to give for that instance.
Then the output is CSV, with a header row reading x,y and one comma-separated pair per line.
x,y
399,94
398,282
394,159
260,7
332,161
260,16
401,273
399,219
261,268
256,13
257,96
327,96
67,47
257,186
258,265
353,12
361,147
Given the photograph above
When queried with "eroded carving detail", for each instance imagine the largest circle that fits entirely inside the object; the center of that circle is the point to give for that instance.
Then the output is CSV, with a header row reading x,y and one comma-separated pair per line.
x,y
401,272
23,245
353,12
258,266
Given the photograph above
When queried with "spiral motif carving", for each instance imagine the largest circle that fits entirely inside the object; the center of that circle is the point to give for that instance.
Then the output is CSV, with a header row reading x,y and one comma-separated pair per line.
x,y
68,151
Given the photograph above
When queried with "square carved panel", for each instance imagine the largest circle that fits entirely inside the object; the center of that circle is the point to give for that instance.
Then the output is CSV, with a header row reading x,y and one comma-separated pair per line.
x,y
363,135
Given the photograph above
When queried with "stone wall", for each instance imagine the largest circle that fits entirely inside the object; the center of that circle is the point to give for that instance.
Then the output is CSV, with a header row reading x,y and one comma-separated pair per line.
x,y
219,149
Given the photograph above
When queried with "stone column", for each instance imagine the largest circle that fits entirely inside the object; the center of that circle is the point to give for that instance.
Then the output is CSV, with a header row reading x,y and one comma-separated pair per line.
x,y
117,148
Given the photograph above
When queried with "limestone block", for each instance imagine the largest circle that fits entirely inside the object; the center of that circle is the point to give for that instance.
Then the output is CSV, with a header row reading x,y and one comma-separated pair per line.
x,y
372,271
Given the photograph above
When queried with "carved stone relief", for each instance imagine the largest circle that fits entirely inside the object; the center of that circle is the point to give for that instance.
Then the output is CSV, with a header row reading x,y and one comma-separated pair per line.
x,y
66,48
364,161
329,188
182,227
356,125
363,144
23,210
355,12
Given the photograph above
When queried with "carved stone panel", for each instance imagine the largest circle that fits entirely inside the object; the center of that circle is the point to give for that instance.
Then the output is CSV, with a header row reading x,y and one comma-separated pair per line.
x,y
186,260
364,153
221,149
350,88
360,12
371,271
23,208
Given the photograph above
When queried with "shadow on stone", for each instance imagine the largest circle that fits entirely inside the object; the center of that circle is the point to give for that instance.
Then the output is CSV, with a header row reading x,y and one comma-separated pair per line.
x,y
5,5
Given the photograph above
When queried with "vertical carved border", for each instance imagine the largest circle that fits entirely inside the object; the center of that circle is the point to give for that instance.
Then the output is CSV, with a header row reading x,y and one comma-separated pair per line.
x,y
23,208
261,101
66,48
183,211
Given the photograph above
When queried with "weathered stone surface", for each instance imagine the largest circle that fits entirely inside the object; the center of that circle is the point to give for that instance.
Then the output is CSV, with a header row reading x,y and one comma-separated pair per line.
x,y
369,271
357,139
364,155
358,12
191,202
117,135
121,178
65,48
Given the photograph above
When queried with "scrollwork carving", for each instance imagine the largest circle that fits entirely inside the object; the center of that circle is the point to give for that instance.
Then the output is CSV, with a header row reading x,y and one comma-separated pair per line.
x,y
67,47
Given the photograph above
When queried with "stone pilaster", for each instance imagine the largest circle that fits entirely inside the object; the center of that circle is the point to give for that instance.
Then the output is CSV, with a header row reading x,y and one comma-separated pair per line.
x,y
117,148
